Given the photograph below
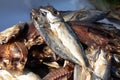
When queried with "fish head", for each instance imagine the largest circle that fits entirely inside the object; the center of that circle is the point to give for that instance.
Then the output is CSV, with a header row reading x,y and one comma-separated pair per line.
x,y
38,17
51,14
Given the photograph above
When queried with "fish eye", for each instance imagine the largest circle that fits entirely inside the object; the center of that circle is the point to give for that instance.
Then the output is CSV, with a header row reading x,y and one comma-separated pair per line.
x,y
36,18
55,12
43,14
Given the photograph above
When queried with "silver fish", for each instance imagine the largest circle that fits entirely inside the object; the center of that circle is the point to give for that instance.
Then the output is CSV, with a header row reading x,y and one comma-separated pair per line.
x,y
84,15
65,34
100,62
102,66
61,38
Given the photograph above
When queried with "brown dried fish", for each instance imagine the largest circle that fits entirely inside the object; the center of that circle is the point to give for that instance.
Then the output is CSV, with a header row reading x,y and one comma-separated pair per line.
x,y
12,32
98,34
13,56
14,51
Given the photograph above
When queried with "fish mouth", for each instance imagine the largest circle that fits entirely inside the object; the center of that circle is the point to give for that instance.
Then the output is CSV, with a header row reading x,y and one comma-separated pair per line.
x,y
44,12
38,16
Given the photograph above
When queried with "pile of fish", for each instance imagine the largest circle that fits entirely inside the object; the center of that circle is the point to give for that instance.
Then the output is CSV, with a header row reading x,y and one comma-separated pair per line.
x,y
61,45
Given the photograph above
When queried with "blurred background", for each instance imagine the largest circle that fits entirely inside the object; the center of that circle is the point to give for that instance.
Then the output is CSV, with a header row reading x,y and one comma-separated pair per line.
x,y
15,11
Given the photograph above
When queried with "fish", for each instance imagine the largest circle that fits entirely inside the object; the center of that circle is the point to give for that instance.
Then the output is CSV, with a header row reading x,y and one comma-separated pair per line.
x,y
84,15
61,38
100,60
102,66
11,32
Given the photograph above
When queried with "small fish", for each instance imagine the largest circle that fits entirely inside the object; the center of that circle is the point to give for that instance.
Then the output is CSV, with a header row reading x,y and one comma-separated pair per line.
x,y
61,38
65,34
84,15
11,32
102,66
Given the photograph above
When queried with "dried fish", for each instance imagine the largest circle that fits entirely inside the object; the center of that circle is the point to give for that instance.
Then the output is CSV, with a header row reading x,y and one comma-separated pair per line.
x,y
23,32
98,34
57,27
61,38
54,36
102,66
15,51
13,57
84,15
12,32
